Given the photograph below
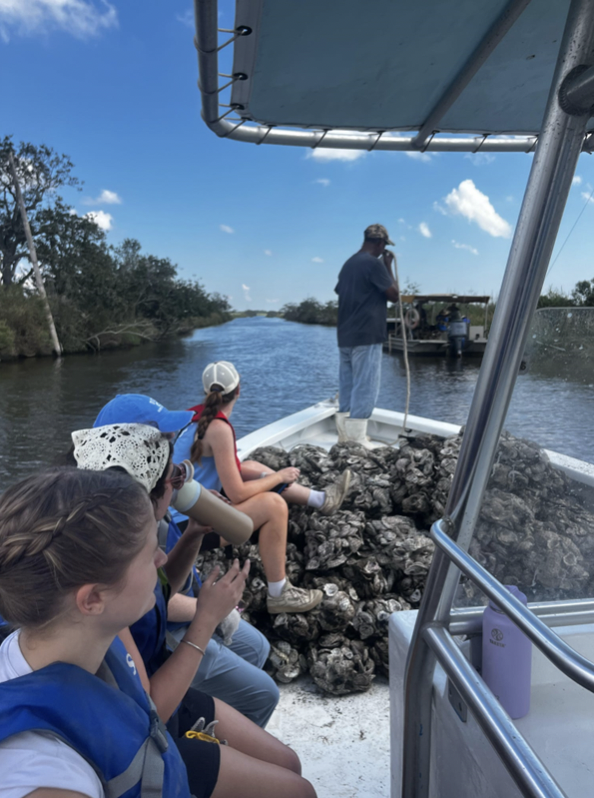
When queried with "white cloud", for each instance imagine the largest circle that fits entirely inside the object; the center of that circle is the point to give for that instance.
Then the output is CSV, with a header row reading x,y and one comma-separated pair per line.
x,y
465,246
273,301
440,209
424,230
187,18
323,181
401,221
81,18
509,198
321,154
419,156
105,198
480,158
317,260
101,219
226,229
246,292
577,181
587,195
267,252
468,201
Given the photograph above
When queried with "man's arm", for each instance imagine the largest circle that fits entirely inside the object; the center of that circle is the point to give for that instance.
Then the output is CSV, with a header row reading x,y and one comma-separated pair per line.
x,y
392,292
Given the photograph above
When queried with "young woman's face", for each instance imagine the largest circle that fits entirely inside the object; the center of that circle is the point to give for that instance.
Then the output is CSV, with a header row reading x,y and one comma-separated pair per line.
x,y
135,595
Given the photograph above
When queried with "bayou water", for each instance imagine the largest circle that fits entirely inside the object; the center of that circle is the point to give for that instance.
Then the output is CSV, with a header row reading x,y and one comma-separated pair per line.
x,y
284,368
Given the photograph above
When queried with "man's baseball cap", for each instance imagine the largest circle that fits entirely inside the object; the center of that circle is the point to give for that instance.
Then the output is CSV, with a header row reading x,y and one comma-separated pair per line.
x,y
134,408
378,231
220,373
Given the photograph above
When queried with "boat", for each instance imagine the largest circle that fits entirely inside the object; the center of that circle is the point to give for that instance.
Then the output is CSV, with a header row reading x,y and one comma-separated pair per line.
x,y
434,326
446,76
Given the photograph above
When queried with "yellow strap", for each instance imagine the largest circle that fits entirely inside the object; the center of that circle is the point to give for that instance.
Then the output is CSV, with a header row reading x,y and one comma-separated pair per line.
x,y
194,735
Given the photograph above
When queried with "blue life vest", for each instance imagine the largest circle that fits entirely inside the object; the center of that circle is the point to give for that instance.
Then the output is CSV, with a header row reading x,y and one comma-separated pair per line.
x,y
108,719
150,630
193,583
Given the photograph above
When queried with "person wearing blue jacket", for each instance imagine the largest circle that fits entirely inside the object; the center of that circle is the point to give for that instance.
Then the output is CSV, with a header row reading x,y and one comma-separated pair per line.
x,y
76,717
231,670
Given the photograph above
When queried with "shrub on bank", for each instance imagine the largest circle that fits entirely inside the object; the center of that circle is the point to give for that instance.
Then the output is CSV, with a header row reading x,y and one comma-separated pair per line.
x,y
23,324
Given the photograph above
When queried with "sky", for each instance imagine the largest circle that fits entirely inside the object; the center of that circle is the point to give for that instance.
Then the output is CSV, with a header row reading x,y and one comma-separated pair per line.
x,y
113,85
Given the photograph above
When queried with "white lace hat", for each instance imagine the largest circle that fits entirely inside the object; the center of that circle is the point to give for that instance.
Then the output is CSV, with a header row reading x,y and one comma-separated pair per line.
x,y
139,449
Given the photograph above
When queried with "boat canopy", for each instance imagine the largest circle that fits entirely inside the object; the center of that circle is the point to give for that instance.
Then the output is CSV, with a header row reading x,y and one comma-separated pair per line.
x,y
358,75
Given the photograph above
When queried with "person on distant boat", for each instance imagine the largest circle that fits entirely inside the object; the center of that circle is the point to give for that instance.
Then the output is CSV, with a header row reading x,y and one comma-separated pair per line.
x,y
255,489
76,718
365,285
229,670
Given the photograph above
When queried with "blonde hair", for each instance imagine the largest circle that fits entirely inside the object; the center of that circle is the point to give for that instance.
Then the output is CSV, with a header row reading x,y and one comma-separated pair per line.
x,y
61,529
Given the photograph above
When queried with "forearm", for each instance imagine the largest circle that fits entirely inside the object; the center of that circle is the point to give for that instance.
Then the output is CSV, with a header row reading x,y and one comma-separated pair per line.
x,y
180,560
171,682
181,609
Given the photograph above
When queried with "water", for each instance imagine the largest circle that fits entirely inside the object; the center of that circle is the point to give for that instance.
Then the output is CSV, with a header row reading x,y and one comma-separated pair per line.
x,y
284,367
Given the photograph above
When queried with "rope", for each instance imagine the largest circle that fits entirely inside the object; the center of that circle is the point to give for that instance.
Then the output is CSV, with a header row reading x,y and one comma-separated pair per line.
x,y
404,345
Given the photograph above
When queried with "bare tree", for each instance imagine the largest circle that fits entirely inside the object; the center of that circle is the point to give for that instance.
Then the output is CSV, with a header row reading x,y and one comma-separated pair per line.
x,y
40,172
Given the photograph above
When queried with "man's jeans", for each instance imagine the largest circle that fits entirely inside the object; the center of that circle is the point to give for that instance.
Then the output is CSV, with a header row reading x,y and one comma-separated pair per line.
x,y
359,379
234,674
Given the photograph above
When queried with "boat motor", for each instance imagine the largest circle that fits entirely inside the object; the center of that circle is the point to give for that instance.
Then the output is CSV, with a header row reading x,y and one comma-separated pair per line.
x,y
457,331
198,503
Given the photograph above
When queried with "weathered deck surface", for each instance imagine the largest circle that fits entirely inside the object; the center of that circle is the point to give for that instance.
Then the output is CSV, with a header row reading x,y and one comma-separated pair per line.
x,y
343,742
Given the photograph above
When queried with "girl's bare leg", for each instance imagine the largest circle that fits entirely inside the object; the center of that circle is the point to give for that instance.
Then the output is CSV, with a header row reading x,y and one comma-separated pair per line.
x,y
294,493
243,735
270,514
242,775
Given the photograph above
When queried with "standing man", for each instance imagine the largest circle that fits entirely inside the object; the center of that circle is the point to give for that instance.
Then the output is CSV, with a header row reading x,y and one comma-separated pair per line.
x,y
365,285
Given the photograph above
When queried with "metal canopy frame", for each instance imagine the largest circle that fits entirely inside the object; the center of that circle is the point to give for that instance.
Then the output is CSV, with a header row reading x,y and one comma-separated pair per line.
x,y
557,148
217,116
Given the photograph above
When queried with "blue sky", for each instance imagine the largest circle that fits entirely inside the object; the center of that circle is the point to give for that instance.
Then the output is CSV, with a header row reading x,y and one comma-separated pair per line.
x,y
113,85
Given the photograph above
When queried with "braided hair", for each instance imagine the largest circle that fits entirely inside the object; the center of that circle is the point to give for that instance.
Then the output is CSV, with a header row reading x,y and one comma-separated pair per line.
x,y
214,402
61,529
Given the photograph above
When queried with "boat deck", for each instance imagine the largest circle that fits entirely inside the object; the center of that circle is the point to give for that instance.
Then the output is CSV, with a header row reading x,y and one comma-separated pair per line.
x,y
343,741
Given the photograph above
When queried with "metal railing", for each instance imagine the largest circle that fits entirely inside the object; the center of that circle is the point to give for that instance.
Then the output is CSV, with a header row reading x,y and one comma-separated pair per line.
x,y
521,761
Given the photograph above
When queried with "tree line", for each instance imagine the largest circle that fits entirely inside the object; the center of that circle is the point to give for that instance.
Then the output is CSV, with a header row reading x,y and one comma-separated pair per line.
x,y
310,311
100,296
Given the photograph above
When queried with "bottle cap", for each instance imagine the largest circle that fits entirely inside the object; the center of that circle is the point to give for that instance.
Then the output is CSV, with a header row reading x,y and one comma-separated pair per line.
x,y
516,592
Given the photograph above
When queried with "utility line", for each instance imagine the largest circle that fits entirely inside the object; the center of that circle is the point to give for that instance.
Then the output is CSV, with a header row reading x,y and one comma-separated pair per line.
x,y
571,231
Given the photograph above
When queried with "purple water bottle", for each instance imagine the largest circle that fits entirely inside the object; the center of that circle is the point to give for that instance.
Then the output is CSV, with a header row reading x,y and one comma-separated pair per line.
x,y
507,658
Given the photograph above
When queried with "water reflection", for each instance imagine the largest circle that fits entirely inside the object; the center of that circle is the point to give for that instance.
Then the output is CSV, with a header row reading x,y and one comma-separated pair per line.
x,y
284,367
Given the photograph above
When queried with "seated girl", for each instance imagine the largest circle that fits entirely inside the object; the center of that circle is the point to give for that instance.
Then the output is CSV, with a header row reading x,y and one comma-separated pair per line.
x,y
255,489
75,721
229,670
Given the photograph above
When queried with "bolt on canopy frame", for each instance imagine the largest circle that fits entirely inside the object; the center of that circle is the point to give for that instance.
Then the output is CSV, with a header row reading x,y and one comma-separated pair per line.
x,y
495,76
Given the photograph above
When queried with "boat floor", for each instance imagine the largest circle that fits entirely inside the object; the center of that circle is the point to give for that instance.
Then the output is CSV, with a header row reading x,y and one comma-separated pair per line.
x,y
343,741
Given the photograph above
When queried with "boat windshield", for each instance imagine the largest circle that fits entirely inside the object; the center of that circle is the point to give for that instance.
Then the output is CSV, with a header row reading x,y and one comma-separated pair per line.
x,y
536,524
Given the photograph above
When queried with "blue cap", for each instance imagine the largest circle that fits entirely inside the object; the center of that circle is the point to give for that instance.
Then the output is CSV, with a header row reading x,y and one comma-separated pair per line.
x,y
134,408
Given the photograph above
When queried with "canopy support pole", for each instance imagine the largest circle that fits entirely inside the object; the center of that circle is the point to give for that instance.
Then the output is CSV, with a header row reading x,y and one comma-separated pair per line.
x,y
557,152
494,35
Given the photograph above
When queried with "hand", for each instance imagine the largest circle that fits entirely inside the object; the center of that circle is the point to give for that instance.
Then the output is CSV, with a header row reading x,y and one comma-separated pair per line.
x,y
194,529
289,474
388,258
217,598
219,495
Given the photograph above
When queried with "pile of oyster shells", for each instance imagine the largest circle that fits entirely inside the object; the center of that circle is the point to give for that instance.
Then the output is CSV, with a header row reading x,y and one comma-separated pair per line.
x,y
371,558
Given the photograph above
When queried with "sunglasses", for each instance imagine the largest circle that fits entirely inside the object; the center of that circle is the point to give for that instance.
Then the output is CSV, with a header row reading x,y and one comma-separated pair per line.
x,y
178,476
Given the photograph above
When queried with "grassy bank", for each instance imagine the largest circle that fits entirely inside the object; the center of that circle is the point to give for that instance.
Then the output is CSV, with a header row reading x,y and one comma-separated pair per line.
x,y
24,330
